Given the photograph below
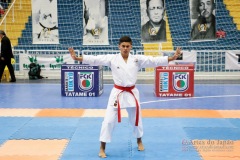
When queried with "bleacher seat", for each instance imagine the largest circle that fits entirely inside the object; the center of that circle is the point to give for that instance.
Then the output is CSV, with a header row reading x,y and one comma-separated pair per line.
x,y
124,19
179,23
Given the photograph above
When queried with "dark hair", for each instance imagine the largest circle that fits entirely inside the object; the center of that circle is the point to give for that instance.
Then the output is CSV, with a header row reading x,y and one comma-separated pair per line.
x,y
147,3
125,39
2,32
199,3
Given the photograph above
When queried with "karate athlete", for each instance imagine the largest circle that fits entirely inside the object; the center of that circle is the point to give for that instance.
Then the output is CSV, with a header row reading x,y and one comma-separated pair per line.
x,y
124,94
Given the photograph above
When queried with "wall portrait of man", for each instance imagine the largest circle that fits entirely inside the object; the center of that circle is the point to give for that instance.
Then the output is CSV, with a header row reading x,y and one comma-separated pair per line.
x,y
203,21
153,28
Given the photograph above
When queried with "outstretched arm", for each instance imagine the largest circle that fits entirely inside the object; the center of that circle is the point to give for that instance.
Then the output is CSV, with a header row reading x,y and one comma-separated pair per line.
x,y
73,55
176,54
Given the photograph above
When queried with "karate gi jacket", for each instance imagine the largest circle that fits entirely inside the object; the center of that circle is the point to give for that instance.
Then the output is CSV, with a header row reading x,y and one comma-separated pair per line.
x,y
125,74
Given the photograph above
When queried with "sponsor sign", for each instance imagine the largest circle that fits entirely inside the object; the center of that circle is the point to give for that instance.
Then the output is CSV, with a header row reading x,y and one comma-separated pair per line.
x,y
174,81
69,81
85,80
180,81
81,80
163,82
49,60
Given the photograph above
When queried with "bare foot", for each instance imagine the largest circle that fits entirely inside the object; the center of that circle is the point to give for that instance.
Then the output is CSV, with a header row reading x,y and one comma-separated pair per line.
x,y
140,144
102,154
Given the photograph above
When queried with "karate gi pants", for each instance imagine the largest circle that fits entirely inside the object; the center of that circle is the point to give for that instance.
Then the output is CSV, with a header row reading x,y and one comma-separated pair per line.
x,y
111,119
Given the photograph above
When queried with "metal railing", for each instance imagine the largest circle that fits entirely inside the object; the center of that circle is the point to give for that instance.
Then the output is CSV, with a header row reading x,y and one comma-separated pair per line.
x,y
10,8
209,64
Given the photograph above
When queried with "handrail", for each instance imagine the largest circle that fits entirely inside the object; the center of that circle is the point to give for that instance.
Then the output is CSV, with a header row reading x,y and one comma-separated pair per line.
x,y
5,15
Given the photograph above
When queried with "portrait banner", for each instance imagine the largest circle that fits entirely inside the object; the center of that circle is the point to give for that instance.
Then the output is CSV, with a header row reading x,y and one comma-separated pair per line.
x,y
153,24
45,22
232,59
95,22
203,21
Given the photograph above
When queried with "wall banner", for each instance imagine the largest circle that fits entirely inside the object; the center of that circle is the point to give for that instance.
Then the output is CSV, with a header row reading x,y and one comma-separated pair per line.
x,y
187,57
47,62
45,22
95,22
153,24
232,59
203,21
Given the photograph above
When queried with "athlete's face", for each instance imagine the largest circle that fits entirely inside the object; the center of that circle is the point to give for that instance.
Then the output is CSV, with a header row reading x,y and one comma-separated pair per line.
x,y
206,8
125,48
155,10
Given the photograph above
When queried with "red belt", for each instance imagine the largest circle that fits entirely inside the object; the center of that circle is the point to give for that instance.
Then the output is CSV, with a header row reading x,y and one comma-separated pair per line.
x,y
127,89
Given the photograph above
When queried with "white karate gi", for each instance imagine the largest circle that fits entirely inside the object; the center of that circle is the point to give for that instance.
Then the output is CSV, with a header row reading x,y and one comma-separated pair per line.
x,y
125,75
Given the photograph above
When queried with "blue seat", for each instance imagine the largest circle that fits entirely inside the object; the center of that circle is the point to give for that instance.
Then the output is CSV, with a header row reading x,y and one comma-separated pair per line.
x,y
125,19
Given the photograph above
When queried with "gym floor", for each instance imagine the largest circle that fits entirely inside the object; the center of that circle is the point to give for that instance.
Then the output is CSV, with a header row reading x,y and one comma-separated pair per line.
x,y
37,123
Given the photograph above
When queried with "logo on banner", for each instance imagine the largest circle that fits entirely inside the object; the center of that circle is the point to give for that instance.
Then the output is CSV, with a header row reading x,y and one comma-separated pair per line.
x,y
85,80
180,81
202,27
152,31
163,82
32,59
59,61
96,32
69,81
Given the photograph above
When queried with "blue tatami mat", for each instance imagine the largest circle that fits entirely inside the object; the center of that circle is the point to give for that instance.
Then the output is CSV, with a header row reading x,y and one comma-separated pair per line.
x,y
163,137
205,122
9,126
53,122
223,96
158,140
44,132
14,121
221,133
235,122
47,128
